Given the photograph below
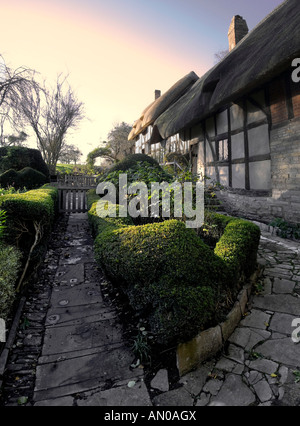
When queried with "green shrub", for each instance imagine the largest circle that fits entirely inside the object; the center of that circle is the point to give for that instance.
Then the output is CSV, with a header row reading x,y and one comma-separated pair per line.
x,y
2,223
32,178
139,172
11,190
130,161
30,217
213,227
234,240
97,223
285,229
17,158
9,268
238,247
38,204
26,178
10,178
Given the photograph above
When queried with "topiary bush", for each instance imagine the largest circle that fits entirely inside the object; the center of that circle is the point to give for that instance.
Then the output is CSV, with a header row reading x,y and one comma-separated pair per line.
x,y
26,178
175,282
17,158
162,267
31,178
238,247
213,227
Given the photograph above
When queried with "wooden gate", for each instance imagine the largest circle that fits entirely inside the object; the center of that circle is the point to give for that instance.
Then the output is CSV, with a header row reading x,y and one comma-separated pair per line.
x,y
72,191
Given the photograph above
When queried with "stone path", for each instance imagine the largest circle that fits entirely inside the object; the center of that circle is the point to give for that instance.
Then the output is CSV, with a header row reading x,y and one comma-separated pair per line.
x,y
83,359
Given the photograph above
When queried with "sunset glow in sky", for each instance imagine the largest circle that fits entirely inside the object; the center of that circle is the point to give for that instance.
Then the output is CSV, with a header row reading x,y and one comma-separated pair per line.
x,y
117,52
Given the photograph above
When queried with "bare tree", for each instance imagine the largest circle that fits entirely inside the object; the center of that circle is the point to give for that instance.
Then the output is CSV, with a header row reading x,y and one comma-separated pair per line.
x,y
51,114
70,153
13,84
15,140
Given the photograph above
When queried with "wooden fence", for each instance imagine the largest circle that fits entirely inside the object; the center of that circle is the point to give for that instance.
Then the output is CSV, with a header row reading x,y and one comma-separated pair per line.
x,y
72,191
77,181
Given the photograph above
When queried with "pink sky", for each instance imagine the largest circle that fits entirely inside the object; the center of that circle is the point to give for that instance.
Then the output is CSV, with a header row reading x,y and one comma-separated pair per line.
x,y
118,52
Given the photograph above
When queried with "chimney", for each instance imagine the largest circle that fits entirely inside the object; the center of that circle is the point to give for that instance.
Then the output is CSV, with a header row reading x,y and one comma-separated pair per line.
x,y
157,94
237,31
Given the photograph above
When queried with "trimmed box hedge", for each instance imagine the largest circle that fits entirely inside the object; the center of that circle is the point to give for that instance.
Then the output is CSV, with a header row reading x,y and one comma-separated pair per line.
x,y
38,204
27,212
173,280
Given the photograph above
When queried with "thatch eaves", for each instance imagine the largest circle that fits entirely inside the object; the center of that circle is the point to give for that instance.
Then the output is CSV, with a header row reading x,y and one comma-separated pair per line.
x,y
263,54
156,108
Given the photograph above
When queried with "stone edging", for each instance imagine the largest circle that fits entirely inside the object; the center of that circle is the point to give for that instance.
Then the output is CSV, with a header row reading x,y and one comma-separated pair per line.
x,y
209,342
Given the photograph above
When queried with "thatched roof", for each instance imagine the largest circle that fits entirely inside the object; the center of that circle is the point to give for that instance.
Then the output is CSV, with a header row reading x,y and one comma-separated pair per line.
x,y
156,108
264,53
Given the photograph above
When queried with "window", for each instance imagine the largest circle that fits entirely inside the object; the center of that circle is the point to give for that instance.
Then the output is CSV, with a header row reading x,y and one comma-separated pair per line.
x,y
222,150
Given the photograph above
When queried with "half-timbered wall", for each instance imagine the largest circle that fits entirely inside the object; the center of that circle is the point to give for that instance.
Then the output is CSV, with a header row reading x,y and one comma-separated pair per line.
x,y
235,148
142,145
252,148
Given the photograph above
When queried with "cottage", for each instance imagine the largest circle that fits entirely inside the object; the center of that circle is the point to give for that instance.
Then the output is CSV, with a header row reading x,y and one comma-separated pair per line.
x,y
241,120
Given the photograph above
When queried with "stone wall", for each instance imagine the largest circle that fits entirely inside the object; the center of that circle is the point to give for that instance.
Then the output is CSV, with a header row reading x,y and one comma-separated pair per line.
x,y
262,209
285,155
249,207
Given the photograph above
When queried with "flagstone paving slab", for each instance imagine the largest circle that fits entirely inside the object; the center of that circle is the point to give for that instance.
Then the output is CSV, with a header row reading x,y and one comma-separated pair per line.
x,y
70,274
256,319
234,392
283,286
281,350
120,396
82,373
84,294
85,335
248,338
285,303
282,323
